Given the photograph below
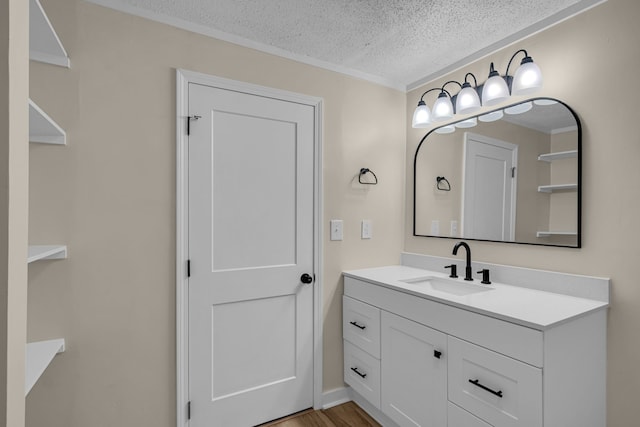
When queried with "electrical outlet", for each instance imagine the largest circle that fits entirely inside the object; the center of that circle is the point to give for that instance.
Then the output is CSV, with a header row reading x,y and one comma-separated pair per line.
x,y
367,229
435,227
454,228
336,229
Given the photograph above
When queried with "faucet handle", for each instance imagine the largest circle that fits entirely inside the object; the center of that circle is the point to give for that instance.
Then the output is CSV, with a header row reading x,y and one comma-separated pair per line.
x,y
454,270
485,276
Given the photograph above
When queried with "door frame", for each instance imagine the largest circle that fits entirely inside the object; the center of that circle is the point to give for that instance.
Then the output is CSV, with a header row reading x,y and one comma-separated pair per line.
x,y
183,79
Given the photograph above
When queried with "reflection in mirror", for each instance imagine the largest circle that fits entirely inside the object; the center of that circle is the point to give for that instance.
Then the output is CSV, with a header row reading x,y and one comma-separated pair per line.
x,y
514,176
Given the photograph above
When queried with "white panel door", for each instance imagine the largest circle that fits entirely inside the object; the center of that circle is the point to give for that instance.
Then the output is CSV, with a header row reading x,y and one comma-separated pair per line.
x,y
414,373
250,240
489,200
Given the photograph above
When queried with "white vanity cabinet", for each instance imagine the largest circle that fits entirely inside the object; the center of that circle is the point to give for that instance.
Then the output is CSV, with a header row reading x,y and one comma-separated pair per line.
x,y
433,364
413,372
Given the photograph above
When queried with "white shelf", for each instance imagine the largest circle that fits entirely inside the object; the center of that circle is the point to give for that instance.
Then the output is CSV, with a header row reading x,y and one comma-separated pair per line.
x,y
555,233
44,44
46,252
556,187
549,157
42,128
38,356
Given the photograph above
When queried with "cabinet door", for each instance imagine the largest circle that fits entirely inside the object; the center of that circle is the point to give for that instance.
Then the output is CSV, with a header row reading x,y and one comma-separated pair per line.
x,y
414,373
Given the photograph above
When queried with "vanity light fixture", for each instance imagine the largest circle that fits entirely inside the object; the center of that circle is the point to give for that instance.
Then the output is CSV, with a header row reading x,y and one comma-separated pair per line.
x,y
467,100
443,107
497,88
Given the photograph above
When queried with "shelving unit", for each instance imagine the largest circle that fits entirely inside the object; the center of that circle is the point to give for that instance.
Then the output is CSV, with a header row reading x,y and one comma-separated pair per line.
x,y
44,44
549,157
46,252
557,187
555,233
38,356
42,128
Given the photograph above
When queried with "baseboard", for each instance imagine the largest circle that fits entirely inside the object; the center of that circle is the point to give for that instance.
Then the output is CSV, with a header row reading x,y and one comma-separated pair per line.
x,y
373,412
336,397
342,395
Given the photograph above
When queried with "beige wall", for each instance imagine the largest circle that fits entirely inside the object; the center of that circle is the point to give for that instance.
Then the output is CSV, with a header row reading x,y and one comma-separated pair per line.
x,y
110,196
582,58
14,175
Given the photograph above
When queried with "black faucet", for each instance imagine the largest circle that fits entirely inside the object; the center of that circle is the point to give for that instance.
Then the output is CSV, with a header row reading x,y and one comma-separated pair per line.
x,y
468,274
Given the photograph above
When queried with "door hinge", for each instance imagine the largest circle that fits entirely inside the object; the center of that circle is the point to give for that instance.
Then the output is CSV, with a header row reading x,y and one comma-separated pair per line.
x,y
189,118
189,410
188,268
513,172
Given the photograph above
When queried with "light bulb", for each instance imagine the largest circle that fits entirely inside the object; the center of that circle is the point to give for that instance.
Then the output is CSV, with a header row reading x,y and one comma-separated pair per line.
x,y
421,116
443,108
528,78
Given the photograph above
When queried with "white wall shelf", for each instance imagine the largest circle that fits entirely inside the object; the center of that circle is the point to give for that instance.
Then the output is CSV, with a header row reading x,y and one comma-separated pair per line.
x,y
38,356
42,128
555,233
549,157
38,252
557,187
44,44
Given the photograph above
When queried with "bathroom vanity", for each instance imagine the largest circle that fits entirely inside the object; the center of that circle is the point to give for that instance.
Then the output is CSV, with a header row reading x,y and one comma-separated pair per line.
x,y
421,349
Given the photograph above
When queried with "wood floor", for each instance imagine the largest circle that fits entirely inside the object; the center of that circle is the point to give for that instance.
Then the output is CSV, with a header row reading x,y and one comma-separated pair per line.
x,y
346,415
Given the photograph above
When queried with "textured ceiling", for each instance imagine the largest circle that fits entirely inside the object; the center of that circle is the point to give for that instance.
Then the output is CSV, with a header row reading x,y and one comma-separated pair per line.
x,y
401,43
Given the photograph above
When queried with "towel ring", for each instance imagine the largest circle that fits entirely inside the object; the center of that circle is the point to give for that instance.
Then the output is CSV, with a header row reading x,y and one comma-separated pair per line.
x,y
440,186
365,171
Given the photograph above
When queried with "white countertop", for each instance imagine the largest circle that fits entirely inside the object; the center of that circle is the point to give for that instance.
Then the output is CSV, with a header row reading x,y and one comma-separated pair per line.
x,y
527,307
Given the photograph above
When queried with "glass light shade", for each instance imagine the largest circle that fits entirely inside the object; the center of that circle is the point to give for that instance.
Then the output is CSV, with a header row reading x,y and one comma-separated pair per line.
x,y
421,116
519,109
469,123
446,129
443,108
467,100
495,90
528,78
543,101
491,117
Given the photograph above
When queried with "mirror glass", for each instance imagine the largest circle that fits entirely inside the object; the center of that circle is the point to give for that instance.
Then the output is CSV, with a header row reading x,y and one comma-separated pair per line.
x,y
510,175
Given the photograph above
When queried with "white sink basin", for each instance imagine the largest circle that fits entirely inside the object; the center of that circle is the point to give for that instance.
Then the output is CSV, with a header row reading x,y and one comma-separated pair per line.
x,y
449,286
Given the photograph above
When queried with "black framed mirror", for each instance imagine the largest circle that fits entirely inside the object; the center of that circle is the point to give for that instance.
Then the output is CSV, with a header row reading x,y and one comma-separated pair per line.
x,y
510,175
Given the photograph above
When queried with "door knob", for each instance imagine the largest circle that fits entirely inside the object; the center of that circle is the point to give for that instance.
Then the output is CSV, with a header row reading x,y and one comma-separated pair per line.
x,y
305,278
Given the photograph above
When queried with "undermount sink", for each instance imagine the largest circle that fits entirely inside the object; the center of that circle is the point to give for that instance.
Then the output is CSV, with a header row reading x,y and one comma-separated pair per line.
x,y
449,286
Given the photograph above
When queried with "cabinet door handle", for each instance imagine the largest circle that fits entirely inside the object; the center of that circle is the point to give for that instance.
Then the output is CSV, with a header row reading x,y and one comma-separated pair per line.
x,y
359,373
485,388
358,326
437,354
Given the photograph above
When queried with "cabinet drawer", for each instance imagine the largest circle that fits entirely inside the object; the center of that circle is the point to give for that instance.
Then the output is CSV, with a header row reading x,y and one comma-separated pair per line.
x,y
362,373
361,325
458,417
498,389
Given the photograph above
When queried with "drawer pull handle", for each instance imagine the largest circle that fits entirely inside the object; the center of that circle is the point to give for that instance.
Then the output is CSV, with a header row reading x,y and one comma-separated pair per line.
x,y
485,388
437,354
362,327
359,373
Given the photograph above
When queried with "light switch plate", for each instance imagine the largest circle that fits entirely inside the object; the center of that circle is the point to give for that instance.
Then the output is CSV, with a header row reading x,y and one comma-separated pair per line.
x,y
367,229
336,229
